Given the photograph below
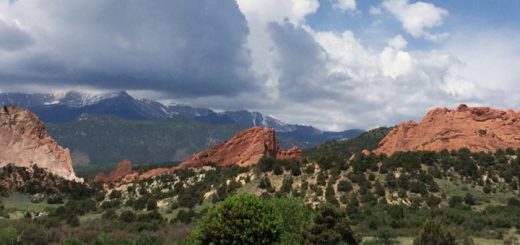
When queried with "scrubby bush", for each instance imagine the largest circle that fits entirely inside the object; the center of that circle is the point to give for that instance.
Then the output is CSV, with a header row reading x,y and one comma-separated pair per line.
x,y
109,214
344,186
115,194
266,164
185,216
330,226
240,219
265,183
469,199
386,236
151,204
127,216
295,216
514,202
286,185
455,201
434,232
8,235
55,199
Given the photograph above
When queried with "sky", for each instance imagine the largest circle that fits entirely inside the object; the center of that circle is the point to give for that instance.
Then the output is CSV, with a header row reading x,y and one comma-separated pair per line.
x,y
334,64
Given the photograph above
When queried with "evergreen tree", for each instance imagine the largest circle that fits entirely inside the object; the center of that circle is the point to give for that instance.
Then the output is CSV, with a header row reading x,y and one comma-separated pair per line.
x,y
330,226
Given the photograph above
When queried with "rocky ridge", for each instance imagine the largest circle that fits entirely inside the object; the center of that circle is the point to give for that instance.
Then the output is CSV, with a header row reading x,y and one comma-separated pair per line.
x,y
124,173
244,149
475,128
24,142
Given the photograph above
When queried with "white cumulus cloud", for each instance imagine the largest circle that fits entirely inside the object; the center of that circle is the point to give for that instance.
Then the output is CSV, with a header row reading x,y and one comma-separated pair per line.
x,y
417,18
345,5
394,60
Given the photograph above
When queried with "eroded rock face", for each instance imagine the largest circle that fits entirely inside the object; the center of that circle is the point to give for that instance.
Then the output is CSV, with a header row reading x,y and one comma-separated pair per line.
x,y
246,148
24,142
123,169
292,153
153,173
476,128
125,174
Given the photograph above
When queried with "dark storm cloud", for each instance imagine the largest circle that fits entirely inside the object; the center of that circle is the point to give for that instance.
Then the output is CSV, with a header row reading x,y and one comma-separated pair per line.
x,y
305,75
302,60
12,36
185,48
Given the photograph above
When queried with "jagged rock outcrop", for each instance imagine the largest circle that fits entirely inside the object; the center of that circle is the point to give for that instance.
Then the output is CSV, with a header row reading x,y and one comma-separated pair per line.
x,y
292,153
124,173
476,128
123,169
246,148
24,142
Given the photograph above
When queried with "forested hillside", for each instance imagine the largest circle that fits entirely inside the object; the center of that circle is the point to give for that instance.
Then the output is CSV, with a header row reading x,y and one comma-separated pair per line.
x,y
474,197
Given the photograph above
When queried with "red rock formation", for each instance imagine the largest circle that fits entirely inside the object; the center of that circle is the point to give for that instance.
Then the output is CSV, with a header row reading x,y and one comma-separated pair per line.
x,y
123,169
124,174
153,173
24,142
475,128
292,153
246,148
365,152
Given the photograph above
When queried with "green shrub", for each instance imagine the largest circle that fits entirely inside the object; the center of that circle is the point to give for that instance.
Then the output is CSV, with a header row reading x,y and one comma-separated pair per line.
x,y
240,219
278,169
73,221
8,235
110,204
266,164
379,189
72,241
185,216
455,201
265,183
330,226
469,199
143,239
514,202
151,204
55,199
434,232
127,216
109,214
433,201
295,216
386,236
330,196
309,169
321,179
286,185
115,194
344,186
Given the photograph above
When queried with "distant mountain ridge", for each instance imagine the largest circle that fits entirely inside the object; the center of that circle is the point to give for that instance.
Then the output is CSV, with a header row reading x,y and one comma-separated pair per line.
x,y
109,139
66,107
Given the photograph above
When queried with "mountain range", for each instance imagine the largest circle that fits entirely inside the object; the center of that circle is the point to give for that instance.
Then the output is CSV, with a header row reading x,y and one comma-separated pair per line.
x,y
122,118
